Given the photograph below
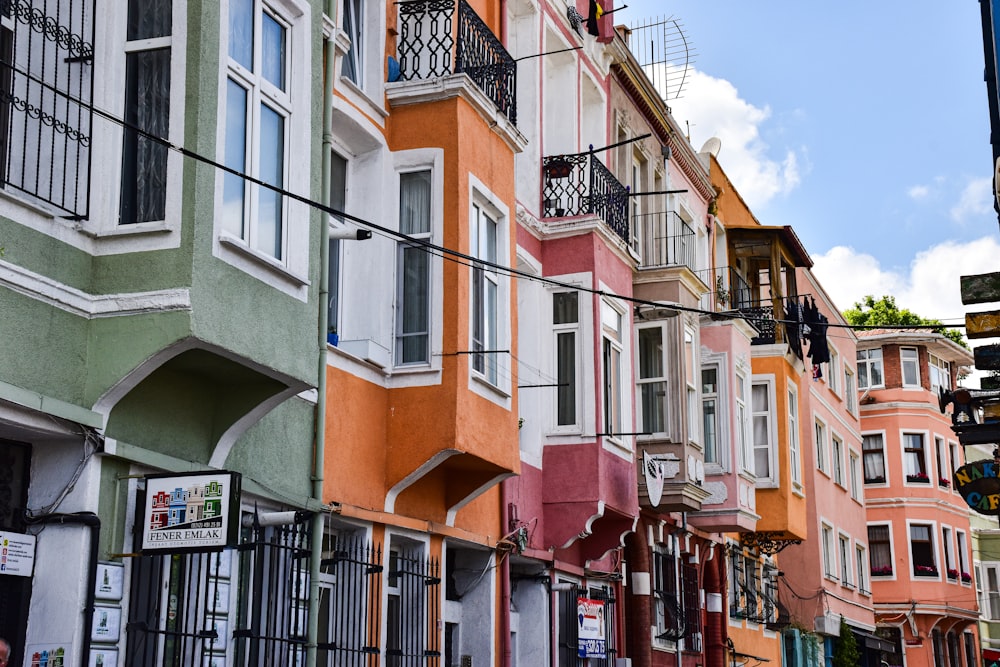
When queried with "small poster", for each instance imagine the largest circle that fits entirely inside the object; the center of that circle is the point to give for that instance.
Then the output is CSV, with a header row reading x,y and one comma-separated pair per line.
x,y
191,512
219,597
590,628
107,624
109,581
103,657
17,554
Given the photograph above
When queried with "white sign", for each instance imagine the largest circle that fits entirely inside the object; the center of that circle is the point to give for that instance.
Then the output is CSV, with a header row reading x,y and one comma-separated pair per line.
x,y
590,628
188,512
109,581
17,554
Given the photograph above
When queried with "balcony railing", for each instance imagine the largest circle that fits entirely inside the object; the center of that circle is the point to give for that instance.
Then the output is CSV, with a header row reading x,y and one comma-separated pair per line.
x,y
663,239
430,47
580,184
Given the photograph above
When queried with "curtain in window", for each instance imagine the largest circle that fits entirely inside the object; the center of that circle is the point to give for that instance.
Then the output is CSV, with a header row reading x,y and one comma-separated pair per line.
x,y
761,439
148,19
878,547
874,458
144,161
414,274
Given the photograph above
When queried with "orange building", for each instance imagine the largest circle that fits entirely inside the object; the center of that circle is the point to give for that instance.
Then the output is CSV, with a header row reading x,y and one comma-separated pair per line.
x,y
919,539
420,390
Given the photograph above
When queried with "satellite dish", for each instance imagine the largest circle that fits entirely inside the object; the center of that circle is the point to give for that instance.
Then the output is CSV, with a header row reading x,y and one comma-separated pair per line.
x,y
713,146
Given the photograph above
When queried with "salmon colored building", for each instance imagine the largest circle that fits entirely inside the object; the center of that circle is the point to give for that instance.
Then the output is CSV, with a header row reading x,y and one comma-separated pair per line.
x,y
919,538
420,396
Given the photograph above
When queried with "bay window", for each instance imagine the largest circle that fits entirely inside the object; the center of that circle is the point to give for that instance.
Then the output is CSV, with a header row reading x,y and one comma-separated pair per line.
x,y
710,412
413,300
762,407
485,294
652,380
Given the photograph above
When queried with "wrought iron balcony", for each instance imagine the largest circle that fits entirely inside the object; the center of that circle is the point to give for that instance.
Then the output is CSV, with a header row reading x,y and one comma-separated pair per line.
x,y
580,184
430,46
663,239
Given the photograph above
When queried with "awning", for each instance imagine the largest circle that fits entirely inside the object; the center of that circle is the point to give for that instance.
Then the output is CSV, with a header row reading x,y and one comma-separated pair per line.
x,y
991,654
870,641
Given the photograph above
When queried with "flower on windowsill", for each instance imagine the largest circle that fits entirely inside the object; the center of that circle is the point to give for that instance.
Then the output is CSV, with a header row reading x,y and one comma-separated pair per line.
x,y
875,480
920,477
944,481
926,570
884,571
953,574
966,577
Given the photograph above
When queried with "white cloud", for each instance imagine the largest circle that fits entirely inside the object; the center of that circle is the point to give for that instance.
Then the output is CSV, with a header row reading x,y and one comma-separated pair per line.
x,y
976,199
714,108
929,286
918,192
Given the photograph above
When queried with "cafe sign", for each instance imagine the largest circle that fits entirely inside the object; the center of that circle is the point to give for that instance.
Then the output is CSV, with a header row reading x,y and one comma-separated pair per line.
x,y
191,512
978,484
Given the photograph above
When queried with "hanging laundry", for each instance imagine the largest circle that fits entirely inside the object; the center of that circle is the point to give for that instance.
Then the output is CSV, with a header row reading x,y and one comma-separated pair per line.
x,y
819,350
596,12
793,325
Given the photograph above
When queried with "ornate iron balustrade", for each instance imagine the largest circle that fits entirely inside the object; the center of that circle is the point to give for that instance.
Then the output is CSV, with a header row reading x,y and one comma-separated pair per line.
x,y
580,184
429,48
46,86
663,239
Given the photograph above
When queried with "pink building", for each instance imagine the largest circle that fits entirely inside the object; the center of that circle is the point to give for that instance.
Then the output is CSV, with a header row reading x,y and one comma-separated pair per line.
x,y
918,527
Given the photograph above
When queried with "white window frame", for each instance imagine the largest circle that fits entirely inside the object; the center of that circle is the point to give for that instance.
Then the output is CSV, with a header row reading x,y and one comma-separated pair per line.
x,y
692,377
401,248
861,565
837,459
903,442
794,448
850,390
844,555
962,551
940,461
744,437
948,548
497,387
833,374
940,373
288,274
855,474
885,465
718,397
955,461
892,547
932,532
820,437
989,593
828,550
909,364
394,540
567,329
867,361
772,479
660,378
613,402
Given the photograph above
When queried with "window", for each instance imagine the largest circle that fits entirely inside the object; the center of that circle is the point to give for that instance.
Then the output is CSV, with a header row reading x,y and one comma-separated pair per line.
x,y
844,552
338,201
860,563
652,381
949,555
963,557
710,412
833,376
743,439
956,463
922,550
257,111
910,361
147,109
763,432
413,273
667,609
485,287
940,459
691,376
822,462
412,582
880,544
829,556
914,458
990,604
873,446
611,325
870,368
794,452
837,450
940,372
565,321
352,65
850,393
855,474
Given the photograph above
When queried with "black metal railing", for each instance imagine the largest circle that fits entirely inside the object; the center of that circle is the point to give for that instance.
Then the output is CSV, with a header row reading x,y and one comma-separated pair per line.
x,y
429,48
46,88
413,611
351,637
580,184
663,239
569,625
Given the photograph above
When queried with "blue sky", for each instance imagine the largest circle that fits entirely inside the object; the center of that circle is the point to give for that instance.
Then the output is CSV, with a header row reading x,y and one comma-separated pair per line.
x,y
864,125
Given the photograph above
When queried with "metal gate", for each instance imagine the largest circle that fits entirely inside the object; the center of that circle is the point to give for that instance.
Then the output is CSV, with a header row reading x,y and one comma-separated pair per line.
x,y
250,603
568,625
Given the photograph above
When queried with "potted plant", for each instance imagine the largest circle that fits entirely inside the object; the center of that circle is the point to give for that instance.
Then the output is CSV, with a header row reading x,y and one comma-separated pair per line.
x,y
952,573
966,578
944,481
882,571
925,570
918,477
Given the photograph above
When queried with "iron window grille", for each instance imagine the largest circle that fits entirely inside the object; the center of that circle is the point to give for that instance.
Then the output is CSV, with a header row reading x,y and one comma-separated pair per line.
x,y
349,617
429,47
568,624
692,607
413,610
46,90
670,617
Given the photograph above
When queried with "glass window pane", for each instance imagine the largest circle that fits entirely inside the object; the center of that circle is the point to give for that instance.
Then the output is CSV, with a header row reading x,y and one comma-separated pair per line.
x,y
565,307
234,187
241,32
415,203
414,315
650,353
144,161
273,51
711,449
148,19
566,377
272,168
651,395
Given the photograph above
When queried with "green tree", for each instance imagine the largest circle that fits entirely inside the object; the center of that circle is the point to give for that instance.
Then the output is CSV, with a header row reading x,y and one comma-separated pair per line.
x,y
884,311
846,653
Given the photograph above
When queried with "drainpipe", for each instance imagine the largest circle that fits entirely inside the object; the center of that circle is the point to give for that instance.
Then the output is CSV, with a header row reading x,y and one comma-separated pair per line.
x,y
505,651
90,520
319,435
